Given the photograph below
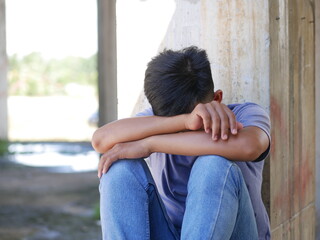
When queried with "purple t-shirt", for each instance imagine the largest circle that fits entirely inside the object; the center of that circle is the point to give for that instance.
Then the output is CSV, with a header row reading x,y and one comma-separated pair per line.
x,y
171,172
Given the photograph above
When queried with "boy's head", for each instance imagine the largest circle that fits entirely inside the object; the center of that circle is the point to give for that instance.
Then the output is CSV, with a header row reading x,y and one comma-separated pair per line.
x,y
176,81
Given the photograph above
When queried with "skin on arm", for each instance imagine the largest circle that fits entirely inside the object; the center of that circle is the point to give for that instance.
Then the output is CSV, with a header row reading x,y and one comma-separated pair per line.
x,y
131,129
247,145
212,129
216,118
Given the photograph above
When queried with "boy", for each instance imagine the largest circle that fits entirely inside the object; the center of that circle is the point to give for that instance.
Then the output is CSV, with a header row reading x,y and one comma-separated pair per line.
x,y
206,160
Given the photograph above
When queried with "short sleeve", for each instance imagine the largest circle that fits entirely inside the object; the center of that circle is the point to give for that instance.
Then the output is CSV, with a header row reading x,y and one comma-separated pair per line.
x,y
146,112
251,114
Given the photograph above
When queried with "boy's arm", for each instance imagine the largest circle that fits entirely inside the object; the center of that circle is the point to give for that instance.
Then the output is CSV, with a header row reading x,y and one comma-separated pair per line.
x,y
247,145
216,118
131,129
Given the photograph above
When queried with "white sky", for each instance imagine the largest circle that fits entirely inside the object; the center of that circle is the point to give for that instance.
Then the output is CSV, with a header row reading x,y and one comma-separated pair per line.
x,y
56,28
141,27
60,28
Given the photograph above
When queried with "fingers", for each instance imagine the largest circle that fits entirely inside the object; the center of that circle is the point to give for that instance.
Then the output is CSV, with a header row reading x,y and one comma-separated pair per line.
x,y
100,166
224,121
106,160
232,120
206,118
214,120
104,164
220,119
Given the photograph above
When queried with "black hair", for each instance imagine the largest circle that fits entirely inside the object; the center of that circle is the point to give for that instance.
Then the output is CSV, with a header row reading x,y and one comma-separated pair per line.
x,y
175,81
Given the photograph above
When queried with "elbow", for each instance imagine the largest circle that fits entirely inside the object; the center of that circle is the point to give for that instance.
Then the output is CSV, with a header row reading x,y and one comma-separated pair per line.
x,y
100,141
96,141
253,150
252,154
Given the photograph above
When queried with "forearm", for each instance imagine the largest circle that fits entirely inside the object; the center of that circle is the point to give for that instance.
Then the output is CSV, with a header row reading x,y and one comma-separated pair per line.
x,y
137,128
244,146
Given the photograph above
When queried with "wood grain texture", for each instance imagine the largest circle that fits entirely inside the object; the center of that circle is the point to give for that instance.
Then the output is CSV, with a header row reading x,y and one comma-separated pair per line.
x,y
297,227
279,109
292,99
317,72
307,218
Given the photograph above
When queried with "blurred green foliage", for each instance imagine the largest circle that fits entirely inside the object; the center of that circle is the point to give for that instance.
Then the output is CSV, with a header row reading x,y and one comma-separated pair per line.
x,y
96,211
4,147
33,75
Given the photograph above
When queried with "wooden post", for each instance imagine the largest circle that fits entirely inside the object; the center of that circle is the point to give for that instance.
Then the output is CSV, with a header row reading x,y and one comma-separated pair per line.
x,y
292,102
107,61
3,74
317,46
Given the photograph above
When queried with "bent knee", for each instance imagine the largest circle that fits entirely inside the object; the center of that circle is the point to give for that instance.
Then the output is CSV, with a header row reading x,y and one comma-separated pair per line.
x,y
123,172
119,172
212,162
209,171
212,166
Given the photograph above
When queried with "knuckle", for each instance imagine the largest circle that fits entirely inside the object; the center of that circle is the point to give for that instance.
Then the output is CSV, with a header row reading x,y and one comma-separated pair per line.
x,y
215,130
215,118
109,159
232,117
224,130
232,123
206,116
225,120
103,158
223,117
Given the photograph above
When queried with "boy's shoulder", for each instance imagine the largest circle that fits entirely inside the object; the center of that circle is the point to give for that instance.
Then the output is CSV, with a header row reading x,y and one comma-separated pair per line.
x,y
237,106
248,109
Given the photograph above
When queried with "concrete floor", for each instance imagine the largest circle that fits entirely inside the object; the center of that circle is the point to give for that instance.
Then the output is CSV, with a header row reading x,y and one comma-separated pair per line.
x,y
38,204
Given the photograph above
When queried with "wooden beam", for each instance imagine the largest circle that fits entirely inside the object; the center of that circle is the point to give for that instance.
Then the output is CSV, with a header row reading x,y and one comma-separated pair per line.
x,y
107,61
292,84
317,52
3,74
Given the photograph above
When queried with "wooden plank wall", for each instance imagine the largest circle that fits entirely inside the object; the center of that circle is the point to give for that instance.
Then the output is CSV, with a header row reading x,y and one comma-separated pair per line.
x,y
292,102
317,63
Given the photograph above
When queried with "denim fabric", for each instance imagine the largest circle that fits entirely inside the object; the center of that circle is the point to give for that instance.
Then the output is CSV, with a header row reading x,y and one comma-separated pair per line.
x,y
218,205
171,172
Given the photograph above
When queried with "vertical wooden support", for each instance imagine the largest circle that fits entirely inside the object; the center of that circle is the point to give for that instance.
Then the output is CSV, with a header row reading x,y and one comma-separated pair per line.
x,y
317,46
3,74
292,102
107,61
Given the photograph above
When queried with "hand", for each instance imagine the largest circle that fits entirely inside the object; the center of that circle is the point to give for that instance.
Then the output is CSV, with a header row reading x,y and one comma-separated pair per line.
x,y
128,150
215,117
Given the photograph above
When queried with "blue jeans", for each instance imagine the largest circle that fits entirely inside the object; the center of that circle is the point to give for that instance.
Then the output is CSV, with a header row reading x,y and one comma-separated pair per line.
x,y
218,204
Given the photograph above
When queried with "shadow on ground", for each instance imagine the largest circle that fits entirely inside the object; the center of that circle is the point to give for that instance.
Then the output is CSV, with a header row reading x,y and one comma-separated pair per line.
x,y
38,204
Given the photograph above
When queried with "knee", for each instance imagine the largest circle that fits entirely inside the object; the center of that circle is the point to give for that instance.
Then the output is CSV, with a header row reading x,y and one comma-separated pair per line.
x,y
211,164
119,174
124,173
211,169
